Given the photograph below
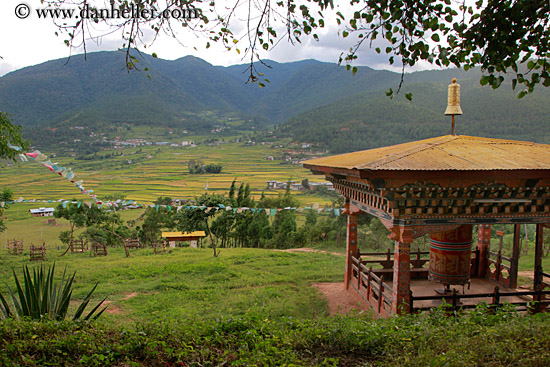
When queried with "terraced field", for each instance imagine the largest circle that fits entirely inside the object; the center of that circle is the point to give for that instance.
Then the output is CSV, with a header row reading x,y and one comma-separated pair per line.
x,y
144,173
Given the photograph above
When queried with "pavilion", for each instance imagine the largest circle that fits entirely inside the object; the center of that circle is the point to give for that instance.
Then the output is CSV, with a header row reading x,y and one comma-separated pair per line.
x,y
443,186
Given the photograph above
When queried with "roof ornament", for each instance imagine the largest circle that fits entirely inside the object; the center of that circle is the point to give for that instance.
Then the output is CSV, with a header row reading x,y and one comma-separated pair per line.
x,y
453,103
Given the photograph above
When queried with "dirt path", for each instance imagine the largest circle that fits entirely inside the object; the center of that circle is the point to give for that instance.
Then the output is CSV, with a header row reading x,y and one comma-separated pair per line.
x,y
340,300
526,273
115,309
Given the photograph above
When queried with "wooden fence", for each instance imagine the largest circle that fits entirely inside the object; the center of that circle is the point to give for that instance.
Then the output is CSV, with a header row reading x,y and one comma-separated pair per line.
x,y
371,288
38,252
534,301
499,268
99,249
15,247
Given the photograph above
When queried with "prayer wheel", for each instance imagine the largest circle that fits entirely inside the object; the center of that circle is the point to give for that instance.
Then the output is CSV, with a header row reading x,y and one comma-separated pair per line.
x,y
450,254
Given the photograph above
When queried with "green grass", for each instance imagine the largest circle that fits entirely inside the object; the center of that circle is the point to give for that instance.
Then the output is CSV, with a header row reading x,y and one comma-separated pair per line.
x,y
190,284
480,338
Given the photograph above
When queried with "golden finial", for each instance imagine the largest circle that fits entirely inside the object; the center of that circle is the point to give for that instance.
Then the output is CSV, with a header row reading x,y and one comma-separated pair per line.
x,y
453,102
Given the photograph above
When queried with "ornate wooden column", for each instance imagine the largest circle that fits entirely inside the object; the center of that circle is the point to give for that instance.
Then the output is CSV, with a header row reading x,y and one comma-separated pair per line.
x,y
351,242
401,291
515,257
483,244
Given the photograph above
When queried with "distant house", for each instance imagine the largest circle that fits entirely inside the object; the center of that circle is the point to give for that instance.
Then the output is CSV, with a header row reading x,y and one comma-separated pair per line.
x,y
277,185
42,212
192,237
328,185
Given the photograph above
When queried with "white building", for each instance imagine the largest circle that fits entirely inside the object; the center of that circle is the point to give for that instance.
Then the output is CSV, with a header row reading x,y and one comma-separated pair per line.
x,y
42,212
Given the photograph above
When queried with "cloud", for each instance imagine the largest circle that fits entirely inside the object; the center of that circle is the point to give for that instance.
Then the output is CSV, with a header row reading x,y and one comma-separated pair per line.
x,y
32,41
6,68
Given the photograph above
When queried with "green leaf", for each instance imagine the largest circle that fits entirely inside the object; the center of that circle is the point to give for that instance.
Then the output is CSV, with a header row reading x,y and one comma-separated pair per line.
x,y
435,37
409,96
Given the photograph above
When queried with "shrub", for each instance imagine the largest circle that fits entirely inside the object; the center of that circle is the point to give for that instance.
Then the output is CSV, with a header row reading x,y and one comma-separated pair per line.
x,y
40,297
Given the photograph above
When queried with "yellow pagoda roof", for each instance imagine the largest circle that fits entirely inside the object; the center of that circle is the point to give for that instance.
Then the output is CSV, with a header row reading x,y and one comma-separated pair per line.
x,y
183,234
449,152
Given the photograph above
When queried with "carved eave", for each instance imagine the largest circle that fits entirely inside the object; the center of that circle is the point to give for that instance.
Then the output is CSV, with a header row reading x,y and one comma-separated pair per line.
x,y
429,206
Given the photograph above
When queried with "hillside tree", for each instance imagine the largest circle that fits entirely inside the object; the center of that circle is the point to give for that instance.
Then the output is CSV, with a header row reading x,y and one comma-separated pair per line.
x,y
11,144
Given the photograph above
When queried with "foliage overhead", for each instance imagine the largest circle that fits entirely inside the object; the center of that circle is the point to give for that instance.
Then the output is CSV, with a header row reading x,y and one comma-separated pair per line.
x,y
501,36
11,142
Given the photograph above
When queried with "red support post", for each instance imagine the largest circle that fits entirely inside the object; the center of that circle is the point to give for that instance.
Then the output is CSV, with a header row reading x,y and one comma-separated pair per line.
x,y
538,257
483,244
351,245
401,291
515,257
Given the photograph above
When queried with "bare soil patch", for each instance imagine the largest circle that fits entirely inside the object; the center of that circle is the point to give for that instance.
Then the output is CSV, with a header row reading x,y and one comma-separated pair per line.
x,y
111,309
129,295
340,300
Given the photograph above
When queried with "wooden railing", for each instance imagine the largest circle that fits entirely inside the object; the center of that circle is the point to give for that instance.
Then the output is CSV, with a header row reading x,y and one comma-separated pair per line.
x,y
545,280
78,245
385,259
37,252
501,264
371,288
536,303
132,243
15,247
159,247
99,249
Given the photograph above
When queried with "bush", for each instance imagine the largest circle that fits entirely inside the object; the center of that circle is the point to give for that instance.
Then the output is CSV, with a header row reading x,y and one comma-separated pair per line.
x,y
40,298
436,339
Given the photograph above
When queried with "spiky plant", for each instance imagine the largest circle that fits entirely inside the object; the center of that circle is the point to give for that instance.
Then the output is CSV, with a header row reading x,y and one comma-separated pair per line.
x,y
41,298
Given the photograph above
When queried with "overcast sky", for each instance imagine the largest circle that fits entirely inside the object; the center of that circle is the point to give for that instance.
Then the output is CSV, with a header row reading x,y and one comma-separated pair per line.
x,y
33,41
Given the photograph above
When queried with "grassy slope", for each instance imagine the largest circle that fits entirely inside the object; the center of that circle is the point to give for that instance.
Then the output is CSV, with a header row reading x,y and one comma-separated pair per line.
x,y
190,284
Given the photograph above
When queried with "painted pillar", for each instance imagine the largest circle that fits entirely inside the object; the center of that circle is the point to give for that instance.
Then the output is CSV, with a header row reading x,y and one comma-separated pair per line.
x,y
538,257
401,277
483,244
351,244
515,257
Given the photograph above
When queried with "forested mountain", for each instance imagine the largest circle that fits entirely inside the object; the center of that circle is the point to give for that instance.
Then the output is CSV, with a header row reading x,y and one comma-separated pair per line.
x,y
370,119
312,101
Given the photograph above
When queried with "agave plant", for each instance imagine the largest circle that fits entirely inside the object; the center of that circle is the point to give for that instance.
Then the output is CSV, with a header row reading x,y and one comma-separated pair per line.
x,y
40,297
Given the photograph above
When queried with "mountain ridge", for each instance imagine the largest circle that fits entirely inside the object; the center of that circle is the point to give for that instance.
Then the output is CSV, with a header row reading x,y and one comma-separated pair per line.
x,y
309,100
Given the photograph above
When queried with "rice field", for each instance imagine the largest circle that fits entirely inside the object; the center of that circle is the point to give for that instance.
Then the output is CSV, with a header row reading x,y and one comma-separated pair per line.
x,y
145,173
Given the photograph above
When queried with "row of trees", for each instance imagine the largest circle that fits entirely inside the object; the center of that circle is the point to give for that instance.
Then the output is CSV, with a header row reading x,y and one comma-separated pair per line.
x,y
240,228
224,228
198,167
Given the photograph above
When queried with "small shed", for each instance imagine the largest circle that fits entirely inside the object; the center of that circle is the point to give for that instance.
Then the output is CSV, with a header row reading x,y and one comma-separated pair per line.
x,y
42,212
193,237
